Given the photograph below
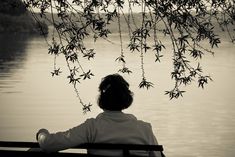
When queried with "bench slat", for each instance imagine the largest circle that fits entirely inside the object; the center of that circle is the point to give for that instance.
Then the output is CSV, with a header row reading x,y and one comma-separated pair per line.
x,y
107,146
14,153
124,147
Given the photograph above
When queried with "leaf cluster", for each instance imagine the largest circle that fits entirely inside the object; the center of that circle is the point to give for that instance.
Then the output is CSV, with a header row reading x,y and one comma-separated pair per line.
x,y
186,23
145,84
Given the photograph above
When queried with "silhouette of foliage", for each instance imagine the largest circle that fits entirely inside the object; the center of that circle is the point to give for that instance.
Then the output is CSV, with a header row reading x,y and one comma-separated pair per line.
x,y
15,18
187,24
145,84
12,7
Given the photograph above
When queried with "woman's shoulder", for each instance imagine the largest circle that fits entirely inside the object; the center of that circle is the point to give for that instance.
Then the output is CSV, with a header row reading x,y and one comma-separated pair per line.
x,y
140,122
118,117
144,124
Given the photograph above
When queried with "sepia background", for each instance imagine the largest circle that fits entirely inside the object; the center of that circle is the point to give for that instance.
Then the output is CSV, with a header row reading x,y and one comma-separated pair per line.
x,y
199,124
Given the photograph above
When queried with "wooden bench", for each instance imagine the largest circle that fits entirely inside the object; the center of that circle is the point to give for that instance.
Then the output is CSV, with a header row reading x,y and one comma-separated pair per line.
x,y
8,149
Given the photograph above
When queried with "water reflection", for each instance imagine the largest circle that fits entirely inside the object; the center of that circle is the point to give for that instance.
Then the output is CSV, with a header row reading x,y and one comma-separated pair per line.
x,y
12,50
12,57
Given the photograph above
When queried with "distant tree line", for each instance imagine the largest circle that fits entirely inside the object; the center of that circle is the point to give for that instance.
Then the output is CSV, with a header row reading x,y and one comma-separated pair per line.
x,y
15,17
12,7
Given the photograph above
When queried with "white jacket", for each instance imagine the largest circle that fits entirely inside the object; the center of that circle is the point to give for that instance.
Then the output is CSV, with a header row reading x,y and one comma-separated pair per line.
x,y
107,127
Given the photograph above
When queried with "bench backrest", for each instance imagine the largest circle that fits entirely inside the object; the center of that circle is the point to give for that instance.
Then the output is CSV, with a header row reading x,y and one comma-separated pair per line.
x,y
124,147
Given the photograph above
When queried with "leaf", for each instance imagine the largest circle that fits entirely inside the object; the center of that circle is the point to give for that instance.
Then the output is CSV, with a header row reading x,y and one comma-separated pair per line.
x,y
145,84
56,72
196,53
86,108
77,2
199,68
72,57
175,93
148,23
104,33
215,42
90,54
133,47
158,47
145,47
125,70
183,40
202,80
175,74
158,57
74,70
121,59
87,75
54,49
186,80
73,80
120,3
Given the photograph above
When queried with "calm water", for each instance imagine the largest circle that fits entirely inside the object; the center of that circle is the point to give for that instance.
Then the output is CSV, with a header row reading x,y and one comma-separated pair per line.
x,y
202,124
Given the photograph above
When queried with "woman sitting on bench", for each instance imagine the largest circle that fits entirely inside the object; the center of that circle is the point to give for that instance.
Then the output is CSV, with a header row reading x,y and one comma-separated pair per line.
x,y
111,126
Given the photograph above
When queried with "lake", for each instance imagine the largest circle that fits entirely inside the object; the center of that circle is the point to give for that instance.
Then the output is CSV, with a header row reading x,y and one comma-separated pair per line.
x,y
201,124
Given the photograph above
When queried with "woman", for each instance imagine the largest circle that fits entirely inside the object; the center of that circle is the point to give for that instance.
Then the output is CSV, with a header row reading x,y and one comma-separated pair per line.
x,y
110,126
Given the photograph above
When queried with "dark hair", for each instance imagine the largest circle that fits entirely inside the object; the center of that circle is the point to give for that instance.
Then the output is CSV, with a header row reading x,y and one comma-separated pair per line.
x,y
114,93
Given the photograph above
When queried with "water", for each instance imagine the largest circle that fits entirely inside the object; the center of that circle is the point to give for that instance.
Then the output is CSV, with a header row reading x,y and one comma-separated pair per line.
x,y
198,125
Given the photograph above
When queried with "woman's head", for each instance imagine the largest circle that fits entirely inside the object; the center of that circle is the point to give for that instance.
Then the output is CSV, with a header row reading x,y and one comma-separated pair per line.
x,y
114,93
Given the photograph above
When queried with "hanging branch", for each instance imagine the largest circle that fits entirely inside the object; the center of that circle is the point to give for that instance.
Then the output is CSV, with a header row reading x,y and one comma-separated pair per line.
x,y
187,24
121,58
144,47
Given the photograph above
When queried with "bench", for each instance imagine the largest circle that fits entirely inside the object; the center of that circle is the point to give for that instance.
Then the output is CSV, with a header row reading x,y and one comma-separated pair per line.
x,y
12,149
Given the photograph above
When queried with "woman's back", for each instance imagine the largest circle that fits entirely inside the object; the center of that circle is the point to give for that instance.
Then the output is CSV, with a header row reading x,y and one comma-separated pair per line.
x,y
120,128
112,126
